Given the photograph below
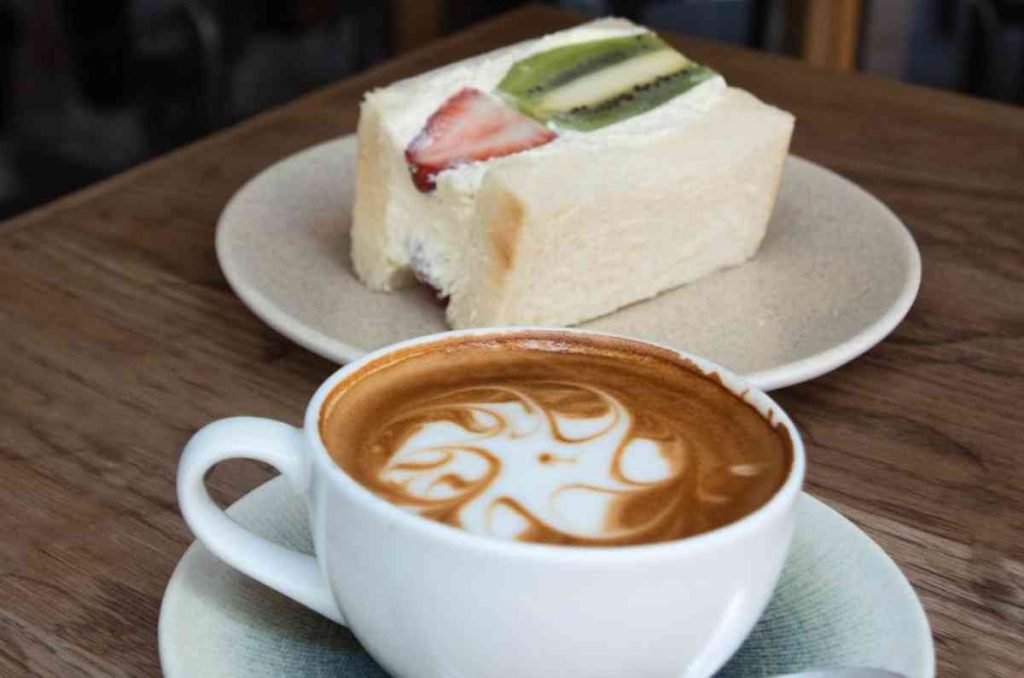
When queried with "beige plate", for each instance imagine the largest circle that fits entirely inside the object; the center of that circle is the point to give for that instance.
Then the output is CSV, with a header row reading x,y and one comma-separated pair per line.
x,y
836,273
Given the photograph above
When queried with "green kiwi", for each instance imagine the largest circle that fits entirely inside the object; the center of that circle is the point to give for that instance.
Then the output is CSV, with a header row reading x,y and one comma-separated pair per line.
x,y
551,69
640,99
589,85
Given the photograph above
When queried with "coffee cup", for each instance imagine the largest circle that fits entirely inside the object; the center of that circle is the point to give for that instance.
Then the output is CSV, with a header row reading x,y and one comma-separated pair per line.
x,y
428,599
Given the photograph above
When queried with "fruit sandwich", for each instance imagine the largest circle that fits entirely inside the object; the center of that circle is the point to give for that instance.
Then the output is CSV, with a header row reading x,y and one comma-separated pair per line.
x,y
559,179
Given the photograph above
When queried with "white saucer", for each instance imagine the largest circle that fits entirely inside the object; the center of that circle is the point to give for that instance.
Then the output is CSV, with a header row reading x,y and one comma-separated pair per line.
x,y
836,273
841,602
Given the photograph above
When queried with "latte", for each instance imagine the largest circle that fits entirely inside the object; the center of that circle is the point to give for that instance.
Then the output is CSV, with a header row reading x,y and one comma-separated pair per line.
x,y
555,438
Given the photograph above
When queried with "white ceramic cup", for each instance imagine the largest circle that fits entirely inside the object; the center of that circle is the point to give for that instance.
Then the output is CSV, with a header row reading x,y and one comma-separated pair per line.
x,y
426,599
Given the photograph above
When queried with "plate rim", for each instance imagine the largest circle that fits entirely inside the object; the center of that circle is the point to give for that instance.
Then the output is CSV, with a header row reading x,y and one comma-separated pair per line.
x,y
846,351
787,374
172,665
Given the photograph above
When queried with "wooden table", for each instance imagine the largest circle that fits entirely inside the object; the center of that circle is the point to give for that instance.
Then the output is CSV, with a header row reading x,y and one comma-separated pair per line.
x,y
119,337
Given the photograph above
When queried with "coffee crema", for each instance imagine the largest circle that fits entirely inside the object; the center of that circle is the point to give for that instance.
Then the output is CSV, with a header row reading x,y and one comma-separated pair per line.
x,y
555,438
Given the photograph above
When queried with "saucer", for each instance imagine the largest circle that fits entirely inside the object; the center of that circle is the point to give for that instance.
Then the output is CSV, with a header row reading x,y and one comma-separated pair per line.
x,y
836,273
840,602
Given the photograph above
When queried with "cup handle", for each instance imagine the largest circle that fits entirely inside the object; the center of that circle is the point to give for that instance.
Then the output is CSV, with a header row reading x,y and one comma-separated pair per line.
x,y
296,575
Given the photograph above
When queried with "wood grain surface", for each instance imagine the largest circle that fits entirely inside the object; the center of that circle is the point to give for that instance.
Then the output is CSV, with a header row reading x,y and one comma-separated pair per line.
x,y
119,337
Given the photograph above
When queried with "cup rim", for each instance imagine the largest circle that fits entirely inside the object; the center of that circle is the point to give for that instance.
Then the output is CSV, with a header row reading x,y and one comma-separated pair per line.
x,y
783,499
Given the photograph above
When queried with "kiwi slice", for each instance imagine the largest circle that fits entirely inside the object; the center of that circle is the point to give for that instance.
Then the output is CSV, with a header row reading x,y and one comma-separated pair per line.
x,y
589,85
640,99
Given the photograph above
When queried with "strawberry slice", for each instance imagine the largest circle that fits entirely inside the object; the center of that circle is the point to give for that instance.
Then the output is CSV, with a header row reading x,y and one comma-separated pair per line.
x,y
470,126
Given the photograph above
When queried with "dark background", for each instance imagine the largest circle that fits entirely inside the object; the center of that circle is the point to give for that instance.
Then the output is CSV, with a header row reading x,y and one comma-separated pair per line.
x,y
91,87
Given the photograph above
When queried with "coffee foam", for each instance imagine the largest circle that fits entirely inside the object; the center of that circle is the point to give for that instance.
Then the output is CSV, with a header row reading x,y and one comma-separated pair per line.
x,y
556,443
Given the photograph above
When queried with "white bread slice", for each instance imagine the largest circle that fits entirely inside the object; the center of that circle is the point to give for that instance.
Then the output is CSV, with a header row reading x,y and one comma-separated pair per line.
x,y
579,227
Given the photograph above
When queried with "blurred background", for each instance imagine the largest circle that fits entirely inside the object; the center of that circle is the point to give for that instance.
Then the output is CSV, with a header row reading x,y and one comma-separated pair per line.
x,y
90,87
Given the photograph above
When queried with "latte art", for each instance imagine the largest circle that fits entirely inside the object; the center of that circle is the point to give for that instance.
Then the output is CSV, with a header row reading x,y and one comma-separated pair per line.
x,y
557,448
509,461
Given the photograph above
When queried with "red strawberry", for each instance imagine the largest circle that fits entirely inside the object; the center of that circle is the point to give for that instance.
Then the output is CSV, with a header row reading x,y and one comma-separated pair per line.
x,y
470,126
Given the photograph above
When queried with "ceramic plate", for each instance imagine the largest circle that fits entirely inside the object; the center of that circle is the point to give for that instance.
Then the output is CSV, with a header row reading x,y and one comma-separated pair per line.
x,y
836,273
840,602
